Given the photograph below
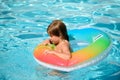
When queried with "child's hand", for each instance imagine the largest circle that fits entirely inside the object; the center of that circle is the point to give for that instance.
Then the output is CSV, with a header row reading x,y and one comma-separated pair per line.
x,y
48,52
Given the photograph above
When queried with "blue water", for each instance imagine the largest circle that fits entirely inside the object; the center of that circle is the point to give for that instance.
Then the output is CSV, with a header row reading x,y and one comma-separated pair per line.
x,y
23,26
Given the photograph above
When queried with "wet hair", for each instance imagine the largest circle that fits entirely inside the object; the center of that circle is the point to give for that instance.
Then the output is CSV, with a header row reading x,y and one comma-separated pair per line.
x,y
58,28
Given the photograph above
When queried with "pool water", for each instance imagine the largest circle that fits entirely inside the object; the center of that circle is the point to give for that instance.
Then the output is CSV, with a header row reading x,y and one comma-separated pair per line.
x,y
23,26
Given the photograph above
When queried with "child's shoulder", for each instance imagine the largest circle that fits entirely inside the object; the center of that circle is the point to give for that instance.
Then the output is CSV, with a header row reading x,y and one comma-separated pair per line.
x,y
64,42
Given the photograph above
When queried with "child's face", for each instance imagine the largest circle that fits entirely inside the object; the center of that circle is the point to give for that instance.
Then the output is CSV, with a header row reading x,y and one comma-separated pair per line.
x,y
54,39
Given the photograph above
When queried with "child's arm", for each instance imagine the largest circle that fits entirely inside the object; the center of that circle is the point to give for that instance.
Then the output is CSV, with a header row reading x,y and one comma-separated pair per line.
x,y
65,54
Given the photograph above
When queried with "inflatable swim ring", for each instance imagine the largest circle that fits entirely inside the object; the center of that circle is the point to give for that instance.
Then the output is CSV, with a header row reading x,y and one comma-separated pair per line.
x,y
95,46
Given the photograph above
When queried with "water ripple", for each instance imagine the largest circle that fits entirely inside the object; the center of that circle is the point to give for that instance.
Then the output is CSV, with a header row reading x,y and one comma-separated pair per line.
x,y
29,36
78,19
